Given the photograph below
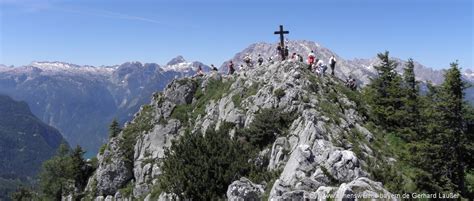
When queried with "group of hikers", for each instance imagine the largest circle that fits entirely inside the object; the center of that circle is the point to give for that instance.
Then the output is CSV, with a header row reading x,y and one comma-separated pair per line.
x,y
318,66
351,83
314,64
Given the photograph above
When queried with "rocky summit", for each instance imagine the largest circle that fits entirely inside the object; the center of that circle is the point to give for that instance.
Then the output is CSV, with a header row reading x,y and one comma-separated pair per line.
x,y
328,152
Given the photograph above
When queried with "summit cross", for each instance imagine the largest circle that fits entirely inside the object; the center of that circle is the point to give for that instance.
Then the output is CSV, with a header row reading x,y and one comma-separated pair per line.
x,y
282,40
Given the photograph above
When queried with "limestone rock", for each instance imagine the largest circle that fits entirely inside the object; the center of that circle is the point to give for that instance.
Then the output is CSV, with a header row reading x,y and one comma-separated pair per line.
x,y
148,150
278,155
113,171
109,198
180,91
244,189
367,188
343,165
168,197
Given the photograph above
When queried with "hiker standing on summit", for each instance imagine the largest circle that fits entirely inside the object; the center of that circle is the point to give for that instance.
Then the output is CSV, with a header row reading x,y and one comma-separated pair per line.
x,y
260,60
248,60
199,72
311,58
214,68
332,64
231,68
280,51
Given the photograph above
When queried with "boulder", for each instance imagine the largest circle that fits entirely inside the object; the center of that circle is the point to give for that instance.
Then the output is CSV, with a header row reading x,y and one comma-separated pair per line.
x,y
180,91
343,165
244,189
367,189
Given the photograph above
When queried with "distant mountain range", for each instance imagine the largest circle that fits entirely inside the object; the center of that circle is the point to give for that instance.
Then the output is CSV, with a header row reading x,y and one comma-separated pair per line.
x,y
25,142
81,101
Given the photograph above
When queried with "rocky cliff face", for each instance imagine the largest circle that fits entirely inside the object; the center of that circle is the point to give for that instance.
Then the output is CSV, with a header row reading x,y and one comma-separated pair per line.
x,y
325,154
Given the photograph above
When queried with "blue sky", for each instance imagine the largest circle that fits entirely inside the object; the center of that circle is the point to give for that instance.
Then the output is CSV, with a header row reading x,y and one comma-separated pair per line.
x,y
99,32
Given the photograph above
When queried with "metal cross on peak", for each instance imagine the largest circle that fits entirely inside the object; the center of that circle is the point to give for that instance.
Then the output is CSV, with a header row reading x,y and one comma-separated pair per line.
x,y
282,40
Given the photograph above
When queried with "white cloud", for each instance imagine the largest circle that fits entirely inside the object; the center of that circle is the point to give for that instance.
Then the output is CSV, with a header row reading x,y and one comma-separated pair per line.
x,y
53,5
107,14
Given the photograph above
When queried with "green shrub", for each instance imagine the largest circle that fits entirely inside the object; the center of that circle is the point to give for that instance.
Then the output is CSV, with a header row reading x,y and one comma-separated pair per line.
x,y
470,182
215,89
102,149
279,93
182,113
266,127
63,173
23,194
305,99
332,179
155,192
331,110
127,190
142,123
354,96
200,167
247,92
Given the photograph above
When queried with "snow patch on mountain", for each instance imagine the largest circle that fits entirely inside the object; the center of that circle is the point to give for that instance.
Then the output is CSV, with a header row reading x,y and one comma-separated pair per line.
x,y
67,68
469,75
180,67
176,60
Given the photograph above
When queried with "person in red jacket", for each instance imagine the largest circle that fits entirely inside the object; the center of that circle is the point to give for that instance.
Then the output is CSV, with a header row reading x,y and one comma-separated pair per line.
x,y
311,58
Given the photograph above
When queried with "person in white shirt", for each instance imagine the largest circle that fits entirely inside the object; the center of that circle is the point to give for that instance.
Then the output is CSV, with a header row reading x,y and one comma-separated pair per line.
x,y
320,63
199,72
248,60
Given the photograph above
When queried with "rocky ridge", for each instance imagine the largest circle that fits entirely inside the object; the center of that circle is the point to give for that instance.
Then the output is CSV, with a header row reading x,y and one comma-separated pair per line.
x,y
325,154
360,68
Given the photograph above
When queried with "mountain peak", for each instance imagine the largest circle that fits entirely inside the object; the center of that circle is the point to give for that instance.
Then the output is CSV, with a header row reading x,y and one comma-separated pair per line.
x,y
176,60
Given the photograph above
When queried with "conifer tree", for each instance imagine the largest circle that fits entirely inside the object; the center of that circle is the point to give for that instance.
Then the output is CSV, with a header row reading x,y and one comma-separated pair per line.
x,y
411,104
454,122
79,167
384,94
55,175
64,173
114,128
444,153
